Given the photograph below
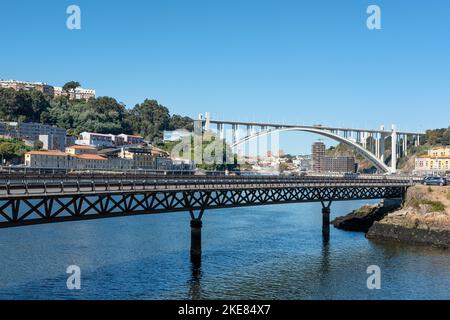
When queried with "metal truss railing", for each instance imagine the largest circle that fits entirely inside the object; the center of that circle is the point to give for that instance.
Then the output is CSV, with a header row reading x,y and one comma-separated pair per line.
x,y
25,209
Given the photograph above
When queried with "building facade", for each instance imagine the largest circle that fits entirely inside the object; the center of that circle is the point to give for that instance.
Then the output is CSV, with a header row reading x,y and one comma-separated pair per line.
x,y
108,140
85,158
27,86
317,156
339,164
436,162
77,94
131,139
80,150
53,138
95,139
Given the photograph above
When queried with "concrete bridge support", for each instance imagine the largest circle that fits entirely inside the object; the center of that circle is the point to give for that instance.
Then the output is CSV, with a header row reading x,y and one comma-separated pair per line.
x,y
196,236
326,221
196,239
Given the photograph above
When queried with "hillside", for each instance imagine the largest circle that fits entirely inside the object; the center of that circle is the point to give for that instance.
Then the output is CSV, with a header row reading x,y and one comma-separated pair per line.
x,y
342,150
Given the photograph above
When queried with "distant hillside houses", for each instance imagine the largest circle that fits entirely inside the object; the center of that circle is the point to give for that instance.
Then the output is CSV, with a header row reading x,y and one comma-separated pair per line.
x,y
108,140
78,93
53,138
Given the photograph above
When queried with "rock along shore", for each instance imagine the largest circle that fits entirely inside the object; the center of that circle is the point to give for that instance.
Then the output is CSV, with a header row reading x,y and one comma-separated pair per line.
x,y
423,219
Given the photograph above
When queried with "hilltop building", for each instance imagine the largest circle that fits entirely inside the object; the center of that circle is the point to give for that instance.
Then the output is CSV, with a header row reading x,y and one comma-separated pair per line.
x,y
78,93
28,86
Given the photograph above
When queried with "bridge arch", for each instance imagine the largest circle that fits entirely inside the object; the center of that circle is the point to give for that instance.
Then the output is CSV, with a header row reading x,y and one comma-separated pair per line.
x,y
380,165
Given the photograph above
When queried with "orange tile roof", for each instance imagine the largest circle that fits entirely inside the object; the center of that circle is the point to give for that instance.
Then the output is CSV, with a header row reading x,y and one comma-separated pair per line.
x,y
82,147
91,157
48,153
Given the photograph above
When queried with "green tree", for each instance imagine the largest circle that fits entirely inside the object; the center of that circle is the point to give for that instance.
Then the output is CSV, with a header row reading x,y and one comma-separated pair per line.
x,y
149,119
70,86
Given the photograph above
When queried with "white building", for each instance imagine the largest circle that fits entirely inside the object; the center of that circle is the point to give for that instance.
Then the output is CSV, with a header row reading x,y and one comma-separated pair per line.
x,y
95,139
131,138
78,93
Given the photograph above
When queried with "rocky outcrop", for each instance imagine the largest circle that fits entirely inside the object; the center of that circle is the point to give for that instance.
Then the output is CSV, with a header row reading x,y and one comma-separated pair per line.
x,y
363,218
424,219
399,233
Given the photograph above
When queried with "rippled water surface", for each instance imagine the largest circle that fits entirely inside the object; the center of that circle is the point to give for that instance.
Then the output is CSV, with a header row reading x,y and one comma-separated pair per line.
x,y
270,252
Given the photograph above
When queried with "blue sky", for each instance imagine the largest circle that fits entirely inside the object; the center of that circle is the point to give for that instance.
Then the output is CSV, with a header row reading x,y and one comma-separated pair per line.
x,y
294,61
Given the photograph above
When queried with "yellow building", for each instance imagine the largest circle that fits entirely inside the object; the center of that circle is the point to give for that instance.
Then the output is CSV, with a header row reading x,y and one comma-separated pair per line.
x,y
436,162
79,150
140,157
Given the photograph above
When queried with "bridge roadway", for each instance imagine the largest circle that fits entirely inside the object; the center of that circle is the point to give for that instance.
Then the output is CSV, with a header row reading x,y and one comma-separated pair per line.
x,y
45,185
43,199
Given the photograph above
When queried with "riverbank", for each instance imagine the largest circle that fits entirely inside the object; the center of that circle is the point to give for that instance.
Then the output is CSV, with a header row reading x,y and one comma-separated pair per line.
x,y
364,217
424,219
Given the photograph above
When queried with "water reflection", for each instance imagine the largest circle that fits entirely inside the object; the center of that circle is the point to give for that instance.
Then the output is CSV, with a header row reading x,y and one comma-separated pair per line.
x,y
195,289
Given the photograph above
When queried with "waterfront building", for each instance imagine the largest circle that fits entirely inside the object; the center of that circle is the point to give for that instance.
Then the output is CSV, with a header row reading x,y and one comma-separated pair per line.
x,y
437,161
48,159
80,150
140,157
85,157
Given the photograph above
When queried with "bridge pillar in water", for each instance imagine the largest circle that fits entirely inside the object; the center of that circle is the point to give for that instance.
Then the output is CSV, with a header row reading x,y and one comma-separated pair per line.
x,y
326,223
196,239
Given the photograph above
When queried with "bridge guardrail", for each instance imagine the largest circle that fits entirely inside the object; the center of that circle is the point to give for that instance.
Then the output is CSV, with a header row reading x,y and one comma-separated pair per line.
x,y
117,185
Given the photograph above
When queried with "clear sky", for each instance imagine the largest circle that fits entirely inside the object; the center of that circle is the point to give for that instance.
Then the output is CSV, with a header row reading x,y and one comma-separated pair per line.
x,y
293,61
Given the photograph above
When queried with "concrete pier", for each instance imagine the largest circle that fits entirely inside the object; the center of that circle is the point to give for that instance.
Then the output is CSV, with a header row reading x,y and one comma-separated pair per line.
x,y
326,223
196,239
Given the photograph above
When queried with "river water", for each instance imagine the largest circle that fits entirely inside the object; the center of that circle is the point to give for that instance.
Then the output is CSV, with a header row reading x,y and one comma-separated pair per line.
x,y
269,252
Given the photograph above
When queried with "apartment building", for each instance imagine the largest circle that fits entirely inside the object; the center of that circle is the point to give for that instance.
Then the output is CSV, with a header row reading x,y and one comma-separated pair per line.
x,y
339,164
28,86
108,140
318,154
131,139
53,138
95,139
77,94
437,161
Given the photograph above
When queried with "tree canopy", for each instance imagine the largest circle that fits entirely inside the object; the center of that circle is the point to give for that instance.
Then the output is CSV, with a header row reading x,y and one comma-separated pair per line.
x,y
71,86
102,114
437,137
